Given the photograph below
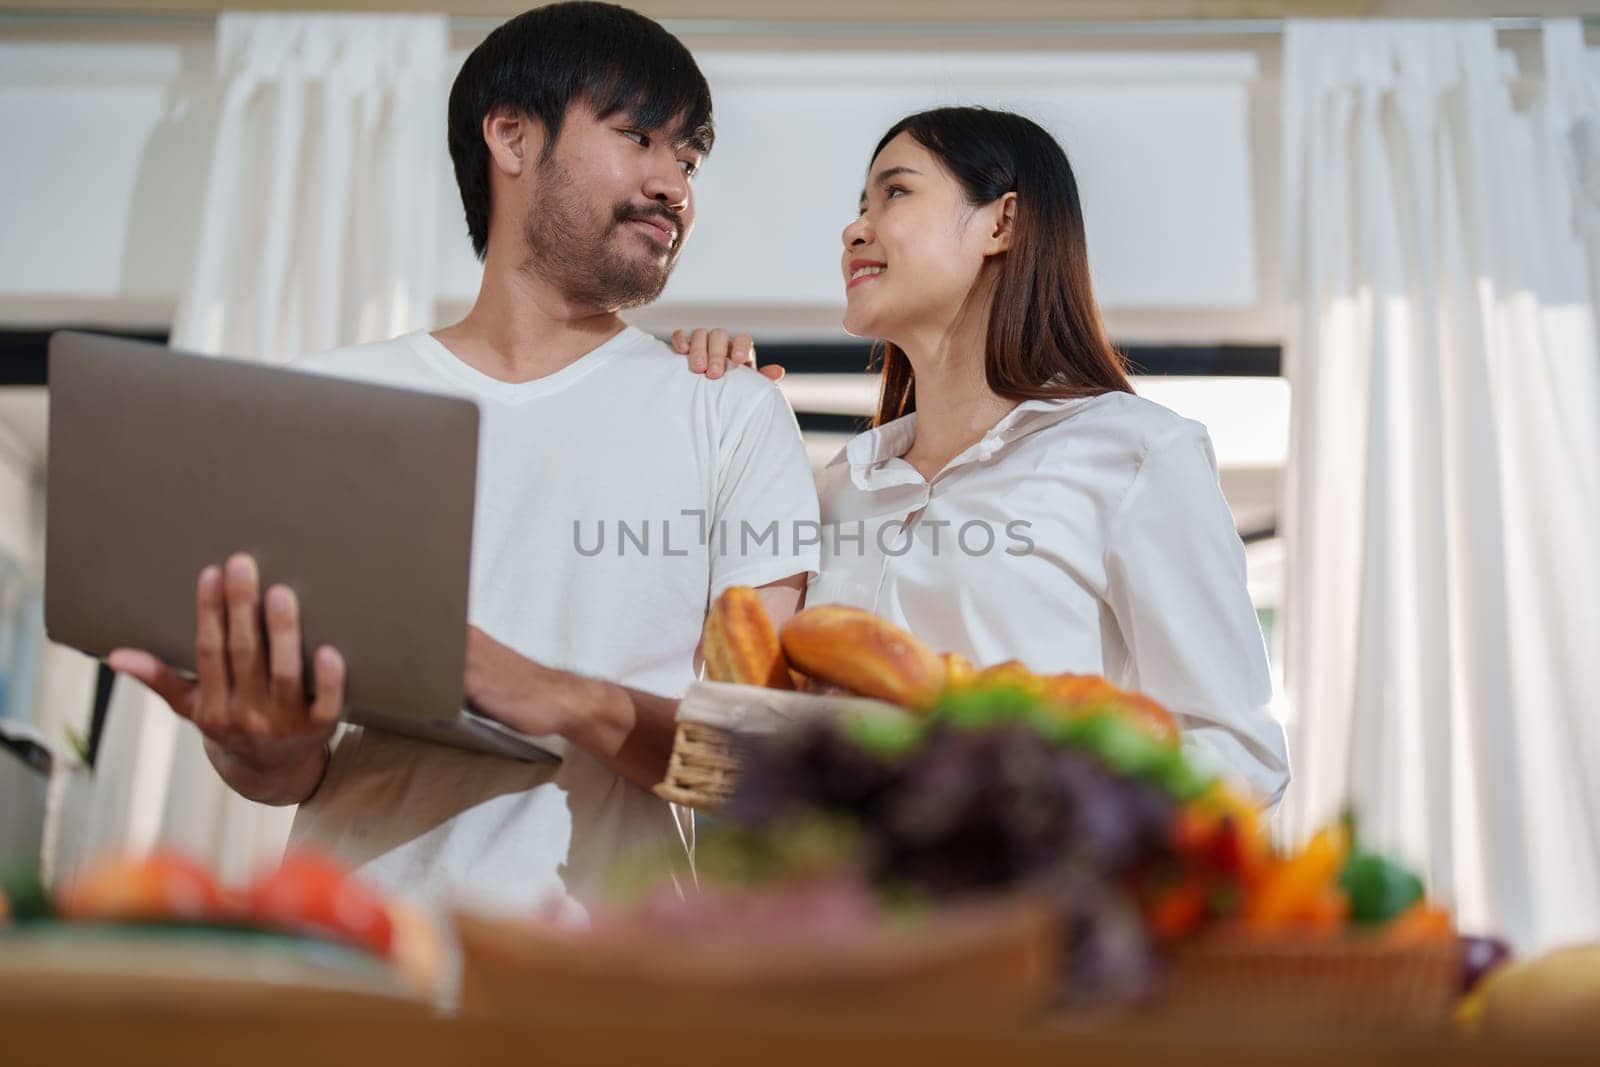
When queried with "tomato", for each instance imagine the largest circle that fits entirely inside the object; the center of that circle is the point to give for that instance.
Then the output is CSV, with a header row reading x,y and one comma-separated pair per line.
x,y
164,886
1178,910
313,895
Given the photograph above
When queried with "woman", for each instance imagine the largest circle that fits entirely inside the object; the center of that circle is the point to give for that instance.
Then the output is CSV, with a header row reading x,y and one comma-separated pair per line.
x,y
1014,498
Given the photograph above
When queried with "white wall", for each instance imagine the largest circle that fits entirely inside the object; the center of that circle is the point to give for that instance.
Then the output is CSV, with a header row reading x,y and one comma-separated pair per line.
x,y
107,147
110,134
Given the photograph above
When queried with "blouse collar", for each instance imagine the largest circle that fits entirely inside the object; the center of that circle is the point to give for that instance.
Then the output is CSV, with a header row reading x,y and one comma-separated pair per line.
x,y
869,454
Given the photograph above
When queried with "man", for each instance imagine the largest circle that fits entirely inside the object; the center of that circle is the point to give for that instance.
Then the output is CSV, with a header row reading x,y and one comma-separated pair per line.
x,y
617,495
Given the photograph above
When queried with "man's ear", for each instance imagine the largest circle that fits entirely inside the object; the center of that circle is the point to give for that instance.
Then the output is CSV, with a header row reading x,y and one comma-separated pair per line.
x,y
514,141
1003,230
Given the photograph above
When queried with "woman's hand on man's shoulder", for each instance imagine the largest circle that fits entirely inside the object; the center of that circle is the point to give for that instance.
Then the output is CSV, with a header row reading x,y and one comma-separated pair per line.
x,y
712,352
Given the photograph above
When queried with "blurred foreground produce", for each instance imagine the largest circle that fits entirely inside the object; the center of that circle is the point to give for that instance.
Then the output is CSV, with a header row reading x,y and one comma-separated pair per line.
x,y
165,906
962,784
1557,994
1169,893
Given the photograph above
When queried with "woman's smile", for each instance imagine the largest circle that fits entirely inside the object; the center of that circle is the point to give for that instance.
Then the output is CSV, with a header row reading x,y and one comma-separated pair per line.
x,y
864,270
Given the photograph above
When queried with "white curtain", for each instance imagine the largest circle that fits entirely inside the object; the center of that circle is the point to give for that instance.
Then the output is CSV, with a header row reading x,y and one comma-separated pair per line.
x,y
1442,585
318,229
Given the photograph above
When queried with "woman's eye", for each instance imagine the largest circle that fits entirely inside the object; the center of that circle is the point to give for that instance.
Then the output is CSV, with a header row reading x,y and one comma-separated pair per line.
x,y
892,191
640,139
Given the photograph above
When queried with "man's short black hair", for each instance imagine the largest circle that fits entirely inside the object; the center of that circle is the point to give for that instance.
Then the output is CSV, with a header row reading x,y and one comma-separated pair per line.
x,y
544,60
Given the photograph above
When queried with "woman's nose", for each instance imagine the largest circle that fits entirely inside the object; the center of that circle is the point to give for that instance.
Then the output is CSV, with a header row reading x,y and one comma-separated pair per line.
x,y
856,233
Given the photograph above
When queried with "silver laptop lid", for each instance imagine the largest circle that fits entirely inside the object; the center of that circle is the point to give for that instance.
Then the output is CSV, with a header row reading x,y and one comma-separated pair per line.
x,y
358,496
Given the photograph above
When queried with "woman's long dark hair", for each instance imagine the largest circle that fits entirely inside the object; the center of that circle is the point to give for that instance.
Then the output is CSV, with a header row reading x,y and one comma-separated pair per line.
x,y
1045,338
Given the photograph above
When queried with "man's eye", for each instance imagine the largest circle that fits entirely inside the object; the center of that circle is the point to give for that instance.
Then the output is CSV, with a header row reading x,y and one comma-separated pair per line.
x,y
641,139
690,167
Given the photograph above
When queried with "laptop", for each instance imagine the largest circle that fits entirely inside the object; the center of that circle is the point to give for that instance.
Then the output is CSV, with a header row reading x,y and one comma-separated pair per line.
x,y
358,496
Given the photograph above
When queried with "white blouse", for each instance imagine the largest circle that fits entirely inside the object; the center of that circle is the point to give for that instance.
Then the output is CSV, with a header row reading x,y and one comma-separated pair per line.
x,y
1085,535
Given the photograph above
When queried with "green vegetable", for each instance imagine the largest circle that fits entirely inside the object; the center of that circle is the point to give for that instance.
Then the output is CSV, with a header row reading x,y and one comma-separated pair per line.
x,y
24,890
1378,888
975,709
1176,777
1118,743
1108,735
885,737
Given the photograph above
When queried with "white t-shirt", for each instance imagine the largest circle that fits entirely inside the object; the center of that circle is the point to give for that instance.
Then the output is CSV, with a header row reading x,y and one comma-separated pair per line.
x,y
625,435
1088,536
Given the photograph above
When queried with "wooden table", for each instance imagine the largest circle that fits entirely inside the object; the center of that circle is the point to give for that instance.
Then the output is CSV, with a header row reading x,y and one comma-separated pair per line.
x,y
94,1031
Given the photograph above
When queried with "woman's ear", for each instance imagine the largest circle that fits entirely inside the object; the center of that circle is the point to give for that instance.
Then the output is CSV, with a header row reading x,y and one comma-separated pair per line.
x,y
1003,212
510,138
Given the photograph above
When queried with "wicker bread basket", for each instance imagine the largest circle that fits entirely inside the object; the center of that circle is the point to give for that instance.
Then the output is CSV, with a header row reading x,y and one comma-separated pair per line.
x,y
717,719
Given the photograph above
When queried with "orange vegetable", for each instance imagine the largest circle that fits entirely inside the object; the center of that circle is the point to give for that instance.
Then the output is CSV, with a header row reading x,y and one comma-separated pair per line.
x,y
1328,912
1420,924
1288,887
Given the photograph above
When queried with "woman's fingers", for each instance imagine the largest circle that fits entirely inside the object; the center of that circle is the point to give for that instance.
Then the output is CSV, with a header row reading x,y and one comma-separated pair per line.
x,y
712,352
716,353
697,351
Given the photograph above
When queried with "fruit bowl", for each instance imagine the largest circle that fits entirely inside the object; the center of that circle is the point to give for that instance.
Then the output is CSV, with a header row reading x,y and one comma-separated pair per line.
x,y
1350,980
991,962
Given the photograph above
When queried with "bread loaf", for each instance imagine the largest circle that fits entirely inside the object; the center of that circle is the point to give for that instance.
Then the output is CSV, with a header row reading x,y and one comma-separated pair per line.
x,y
958,670
858,651
740,644
1090,690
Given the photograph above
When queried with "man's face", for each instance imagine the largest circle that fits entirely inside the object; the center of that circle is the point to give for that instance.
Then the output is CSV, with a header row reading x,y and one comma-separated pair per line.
x,y
612,207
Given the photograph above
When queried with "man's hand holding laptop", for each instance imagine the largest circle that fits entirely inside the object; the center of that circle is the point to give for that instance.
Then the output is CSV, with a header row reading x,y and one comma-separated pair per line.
x,y
249,696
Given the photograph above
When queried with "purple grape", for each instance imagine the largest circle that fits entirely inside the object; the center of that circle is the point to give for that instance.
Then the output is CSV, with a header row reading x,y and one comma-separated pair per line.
x,y
975,810
1479,956
1116,822
816,766
1109,956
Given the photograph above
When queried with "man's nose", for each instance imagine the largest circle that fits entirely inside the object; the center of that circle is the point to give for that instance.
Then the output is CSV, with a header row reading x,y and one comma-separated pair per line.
x,y
668,186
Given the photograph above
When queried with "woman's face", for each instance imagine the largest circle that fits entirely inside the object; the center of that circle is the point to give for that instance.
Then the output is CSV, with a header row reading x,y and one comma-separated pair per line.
x,y
912,255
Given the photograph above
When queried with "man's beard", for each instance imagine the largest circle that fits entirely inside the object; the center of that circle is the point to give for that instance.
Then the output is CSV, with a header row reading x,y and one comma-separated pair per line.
x,y
566,249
